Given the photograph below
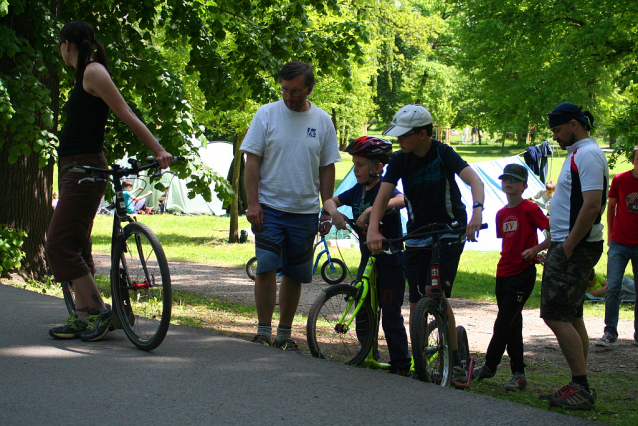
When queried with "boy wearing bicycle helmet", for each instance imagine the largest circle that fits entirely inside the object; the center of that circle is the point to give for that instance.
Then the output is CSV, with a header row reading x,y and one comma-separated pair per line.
x,y
517,224
428,170
369,154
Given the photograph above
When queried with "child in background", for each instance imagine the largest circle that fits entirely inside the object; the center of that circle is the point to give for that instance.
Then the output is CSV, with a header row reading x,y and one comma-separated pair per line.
x,y
131,200
597,285
517,225
544,197
369,154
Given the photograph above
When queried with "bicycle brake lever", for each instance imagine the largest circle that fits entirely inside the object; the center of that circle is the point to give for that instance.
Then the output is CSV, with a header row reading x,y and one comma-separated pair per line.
x,y
91,179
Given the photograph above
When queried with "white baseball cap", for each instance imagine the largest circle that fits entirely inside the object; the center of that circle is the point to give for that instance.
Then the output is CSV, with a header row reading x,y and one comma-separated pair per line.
x,y
408,117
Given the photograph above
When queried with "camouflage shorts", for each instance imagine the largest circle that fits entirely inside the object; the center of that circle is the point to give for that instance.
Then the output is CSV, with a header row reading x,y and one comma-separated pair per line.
x,y
565,281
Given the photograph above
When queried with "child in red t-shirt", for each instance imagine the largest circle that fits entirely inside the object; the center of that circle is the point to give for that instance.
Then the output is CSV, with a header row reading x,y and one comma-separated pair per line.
x,y
517,225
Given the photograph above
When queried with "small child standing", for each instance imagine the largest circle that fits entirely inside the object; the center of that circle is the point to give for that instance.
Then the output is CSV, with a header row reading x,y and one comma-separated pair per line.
x,y
517,225
369,154
544,197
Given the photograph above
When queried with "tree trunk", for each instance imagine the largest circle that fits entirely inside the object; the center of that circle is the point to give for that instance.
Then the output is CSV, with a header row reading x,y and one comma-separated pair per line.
x,y
26,189
234,205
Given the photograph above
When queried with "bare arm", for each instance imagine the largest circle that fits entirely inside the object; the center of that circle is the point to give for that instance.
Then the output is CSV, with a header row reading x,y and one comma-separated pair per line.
x,y
591,208
252,176
326,190
601,291
141,197
374,237
397,202
531,253
331,206
612,203
98,82
469,176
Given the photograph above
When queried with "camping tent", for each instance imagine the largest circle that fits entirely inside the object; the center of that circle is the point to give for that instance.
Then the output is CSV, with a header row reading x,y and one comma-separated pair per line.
x,y
218,156
495,199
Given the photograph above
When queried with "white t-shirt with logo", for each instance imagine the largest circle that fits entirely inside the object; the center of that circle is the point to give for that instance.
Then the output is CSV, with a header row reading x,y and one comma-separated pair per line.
x,y
588,159
292,145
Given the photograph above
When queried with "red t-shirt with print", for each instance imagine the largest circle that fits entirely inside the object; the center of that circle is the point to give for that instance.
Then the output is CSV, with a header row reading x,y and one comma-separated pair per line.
x,y
518,227
624,187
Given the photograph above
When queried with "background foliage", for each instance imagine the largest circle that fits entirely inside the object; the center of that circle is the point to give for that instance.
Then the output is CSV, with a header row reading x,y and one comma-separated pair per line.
x,y
198,70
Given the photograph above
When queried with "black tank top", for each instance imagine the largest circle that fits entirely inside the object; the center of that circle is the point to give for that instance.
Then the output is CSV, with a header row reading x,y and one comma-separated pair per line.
x,y
86,116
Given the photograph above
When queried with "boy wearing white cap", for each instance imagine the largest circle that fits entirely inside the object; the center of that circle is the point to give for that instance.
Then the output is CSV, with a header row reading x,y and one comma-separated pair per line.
x,y
427,169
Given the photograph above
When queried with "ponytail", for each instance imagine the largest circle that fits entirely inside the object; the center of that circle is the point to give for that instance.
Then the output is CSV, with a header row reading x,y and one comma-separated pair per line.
x,y
82,35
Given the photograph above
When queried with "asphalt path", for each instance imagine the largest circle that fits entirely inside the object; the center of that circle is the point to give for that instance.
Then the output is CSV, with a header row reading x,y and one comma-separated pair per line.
x,y
201,378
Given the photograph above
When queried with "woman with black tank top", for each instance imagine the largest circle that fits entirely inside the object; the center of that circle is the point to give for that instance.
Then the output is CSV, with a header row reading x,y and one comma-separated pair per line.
x,y
82,142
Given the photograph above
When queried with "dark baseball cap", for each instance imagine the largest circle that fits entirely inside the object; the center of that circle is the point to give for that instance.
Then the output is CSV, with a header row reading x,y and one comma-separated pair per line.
x,y
515,171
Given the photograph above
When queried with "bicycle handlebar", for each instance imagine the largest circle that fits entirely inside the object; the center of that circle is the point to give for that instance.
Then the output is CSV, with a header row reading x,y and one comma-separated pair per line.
x,y
443,228
361,232
118,171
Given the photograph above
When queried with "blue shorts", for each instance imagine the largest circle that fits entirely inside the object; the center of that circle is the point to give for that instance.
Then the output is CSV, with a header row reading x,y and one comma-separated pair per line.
x,y
286,241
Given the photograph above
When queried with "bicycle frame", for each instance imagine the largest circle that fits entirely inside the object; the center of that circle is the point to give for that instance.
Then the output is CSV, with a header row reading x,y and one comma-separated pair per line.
x,y
325,250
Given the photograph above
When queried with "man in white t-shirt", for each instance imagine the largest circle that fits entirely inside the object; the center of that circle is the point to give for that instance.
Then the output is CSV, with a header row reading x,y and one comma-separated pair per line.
x,y
577,244
291,147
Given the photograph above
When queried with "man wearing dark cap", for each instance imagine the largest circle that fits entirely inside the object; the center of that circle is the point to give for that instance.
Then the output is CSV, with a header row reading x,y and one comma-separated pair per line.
x,y
577,244
516,224
428,170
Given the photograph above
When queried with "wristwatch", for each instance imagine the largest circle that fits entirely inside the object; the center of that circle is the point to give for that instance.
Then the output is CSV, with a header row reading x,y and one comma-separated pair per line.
x,y
478,204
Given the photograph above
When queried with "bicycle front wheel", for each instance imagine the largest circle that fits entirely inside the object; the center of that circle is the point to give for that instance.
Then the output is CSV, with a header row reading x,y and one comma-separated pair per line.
x,y
328,335
431,347
335,272
141,286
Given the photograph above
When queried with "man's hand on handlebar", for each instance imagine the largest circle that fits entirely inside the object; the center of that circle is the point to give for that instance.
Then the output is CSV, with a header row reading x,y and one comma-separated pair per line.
x,y
324,224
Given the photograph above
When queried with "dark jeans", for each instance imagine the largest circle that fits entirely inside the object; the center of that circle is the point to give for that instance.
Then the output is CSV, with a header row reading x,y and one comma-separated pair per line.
x,y
511,294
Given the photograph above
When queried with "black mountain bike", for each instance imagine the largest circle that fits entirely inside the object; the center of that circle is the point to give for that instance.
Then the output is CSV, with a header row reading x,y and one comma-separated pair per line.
x,y
431,343
140,279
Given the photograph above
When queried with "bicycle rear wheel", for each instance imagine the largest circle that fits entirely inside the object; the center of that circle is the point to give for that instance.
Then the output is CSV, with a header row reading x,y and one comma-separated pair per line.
x,y
329,338
464,346
335,272
141,285
431,347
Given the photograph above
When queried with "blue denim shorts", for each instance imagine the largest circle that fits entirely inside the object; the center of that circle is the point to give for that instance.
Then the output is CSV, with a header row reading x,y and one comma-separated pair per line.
x,y
286,241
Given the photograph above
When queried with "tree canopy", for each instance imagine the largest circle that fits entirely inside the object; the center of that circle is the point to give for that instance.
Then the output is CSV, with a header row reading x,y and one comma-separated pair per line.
x,y
203,67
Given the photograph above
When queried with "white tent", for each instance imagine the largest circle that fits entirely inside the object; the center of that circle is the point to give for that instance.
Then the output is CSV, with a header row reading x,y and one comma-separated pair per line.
x,y
217,155
495,199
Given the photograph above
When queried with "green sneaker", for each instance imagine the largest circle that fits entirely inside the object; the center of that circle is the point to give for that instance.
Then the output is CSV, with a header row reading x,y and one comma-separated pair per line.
x,y
98,325
71,329
287,345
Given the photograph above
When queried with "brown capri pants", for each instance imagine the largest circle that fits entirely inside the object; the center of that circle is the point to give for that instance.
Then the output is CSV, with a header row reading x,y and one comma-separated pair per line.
x,y
69,237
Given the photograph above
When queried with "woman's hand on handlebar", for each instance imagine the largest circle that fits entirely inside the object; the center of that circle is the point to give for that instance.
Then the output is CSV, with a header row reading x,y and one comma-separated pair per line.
x,y
374,241
164,159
